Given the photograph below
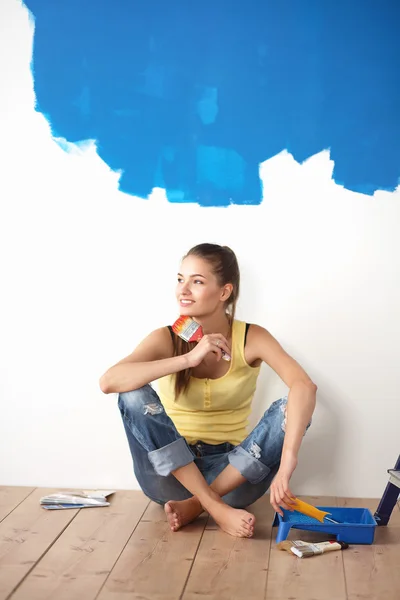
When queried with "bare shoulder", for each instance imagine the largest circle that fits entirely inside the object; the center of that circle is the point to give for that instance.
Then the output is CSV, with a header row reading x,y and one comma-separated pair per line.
x,y
261,346
257,339
256,331
155,346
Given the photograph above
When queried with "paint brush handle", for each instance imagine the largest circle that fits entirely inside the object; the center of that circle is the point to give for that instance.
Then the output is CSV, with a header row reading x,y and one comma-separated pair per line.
x,y
311,511
191,331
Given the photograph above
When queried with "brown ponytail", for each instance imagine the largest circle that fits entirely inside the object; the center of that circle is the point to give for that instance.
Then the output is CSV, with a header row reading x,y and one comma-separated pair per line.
x,y
226,269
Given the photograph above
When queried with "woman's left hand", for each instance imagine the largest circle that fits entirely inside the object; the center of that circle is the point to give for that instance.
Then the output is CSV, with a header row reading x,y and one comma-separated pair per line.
x,y
280,493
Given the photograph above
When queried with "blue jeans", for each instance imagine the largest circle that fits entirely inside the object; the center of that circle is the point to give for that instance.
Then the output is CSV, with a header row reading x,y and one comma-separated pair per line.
x,y
157,449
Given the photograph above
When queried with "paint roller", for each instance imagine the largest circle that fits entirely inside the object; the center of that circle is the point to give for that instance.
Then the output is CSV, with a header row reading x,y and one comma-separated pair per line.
x,y
311,511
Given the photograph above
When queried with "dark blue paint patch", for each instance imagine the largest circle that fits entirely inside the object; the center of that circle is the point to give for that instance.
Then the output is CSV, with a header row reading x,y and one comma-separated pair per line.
x,y
192,97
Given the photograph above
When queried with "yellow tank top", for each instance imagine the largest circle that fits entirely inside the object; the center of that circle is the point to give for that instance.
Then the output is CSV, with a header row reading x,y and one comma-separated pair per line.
x,y
214,411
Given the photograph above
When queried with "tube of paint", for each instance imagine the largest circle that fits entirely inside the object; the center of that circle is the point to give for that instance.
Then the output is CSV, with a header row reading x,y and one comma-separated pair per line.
x,y
308,550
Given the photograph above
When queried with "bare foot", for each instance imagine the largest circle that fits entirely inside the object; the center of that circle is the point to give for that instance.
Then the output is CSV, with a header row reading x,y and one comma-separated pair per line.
x,y
235,521
182,512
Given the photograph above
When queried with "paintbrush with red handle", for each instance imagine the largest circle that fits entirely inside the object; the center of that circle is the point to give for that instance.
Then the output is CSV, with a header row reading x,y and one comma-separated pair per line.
x,y
190,331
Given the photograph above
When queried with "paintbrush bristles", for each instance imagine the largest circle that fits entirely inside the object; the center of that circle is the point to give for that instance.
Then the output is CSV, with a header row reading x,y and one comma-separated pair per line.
x,y
187,329
190,331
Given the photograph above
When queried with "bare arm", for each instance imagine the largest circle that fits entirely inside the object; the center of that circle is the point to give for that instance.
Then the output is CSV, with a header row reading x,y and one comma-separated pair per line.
x,y
300,406
152,358
302,390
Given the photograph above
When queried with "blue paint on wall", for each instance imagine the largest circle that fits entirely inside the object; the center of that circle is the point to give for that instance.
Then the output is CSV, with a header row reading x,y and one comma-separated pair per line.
x,y
193,96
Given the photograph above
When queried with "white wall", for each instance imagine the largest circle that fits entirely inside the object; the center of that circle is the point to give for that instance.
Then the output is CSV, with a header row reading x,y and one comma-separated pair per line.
x,y
87,271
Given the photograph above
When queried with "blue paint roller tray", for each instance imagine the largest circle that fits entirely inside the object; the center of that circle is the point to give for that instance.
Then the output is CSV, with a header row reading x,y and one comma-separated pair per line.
x,y
357,525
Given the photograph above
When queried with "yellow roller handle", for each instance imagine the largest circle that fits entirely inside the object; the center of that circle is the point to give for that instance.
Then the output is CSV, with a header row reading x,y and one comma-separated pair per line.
x,y
309,510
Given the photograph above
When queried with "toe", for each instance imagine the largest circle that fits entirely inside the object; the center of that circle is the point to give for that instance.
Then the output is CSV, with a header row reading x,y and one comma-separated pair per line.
x,y
245,524
251,521
250,532
244,532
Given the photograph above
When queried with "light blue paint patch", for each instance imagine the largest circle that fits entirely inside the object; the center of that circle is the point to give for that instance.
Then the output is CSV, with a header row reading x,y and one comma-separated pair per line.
x,y
177,196
222,167
153,81
63,144
207,107
194,97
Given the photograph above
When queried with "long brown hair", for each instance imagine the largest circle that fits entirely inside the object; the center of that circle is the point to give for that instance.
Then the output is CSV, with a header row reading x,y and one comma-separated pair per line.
x,y
225,267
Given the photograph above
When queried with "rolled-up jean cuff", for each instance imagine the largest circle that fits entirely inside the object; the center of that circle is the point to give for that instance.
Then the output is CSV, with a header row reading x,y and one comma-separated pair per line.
x,y
251,468
171,457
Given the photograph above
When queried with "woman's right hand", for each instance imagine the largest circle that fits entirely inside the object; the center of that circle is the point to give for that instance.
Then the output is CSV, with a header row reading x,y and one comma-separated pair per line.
x,y
212,342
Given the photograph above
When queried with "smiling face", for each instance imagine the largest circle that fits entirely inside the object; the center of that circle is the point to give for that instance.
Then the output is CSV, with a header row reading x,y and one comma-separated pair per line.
x,y
198,290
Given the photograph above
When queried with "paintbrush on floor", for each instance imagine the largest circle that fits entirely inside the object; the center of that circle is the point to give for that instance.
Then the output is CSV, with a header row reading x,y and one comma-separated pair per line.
x,y
308,549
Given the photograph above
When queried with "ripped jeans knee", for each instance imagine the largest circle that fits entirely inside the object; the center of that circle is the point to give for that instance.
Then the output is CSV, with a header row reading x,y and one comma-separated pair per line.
x,y
255,450
261,451
147,424
143,400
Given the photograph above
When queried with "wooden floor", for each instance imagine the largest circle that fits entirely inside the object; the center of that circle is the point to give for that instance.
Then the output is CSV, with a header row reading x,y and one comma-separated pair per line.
x,y
127,551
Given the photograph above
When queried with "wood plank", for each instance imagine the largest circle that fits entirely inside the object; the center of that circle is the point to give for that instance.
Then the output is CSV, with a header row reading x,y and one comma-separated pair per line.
x,y
155,513
156,562
373,572
10,497
79,562
27,532
316,578
82,549
229,568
